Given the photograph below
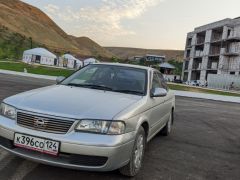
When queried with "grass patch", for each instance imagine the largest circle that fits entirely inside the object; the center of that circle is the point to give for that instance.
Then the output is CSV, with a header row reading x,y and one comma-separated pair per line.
x,y
194,89
35,69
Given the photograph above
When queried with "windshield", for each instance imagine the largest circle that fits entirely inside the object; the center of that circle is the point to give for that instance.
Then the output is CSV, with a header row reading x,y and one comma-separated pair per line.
x,y
111,78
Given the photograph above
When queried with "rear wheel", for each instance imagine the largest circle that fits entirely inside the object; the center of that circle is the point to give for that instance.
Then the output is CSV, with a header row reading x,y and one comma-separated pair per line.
x,y
168,127
135,163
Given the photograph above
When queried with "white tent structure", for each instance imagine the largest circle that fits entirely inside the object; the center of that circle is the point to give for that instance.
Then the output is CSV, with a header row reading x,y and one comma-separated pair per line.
x,y
40,56
70,61
90,61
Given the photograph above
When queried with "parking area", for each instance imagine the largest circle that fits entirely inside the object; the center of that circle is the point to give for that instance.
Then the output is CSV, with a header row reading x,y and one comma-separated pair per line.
x,y
204,144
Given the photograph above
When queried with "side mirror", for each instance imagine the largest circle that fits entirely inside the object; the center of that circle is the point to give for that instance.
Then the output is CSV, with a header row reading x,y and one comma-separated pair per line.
x,y
60,79
158,92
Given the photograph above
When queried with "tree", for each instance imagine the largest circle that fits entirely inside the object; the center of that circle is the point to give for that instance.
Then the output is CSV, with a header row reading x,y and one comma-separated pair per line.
x,y
178,65
114,59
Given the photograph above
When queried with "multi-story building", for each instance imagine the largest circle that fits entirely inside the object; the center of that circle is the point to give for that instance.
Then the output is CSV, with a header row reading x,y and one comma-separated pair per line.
x,y
212,49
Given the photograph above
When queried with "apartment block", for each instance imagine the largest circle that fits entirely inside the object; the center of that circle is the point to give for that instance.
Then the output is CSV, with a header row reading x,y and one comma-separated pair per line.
x,y
212,49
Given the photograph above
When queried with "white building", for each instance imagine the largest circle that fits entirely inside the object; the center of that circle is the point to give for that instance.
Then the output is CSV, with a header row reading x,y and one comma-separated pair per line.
x,y
40,56
69,61
90,61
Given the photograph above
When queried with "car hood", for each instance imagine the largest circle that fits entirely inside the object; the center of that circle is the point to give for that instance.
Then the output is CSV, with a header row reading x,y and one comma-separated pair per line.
x,y
73,102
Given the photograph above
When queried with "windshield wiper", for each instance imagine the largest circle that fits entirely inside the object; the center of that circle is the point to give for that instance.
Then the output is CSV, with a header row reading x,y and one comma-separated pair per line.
x,y
92,86
129,91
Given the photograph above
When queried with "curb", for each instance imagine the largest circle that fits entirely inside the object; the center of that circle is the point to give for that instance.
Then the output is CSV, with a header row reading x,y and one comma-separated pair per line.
x,y
214,97
28,75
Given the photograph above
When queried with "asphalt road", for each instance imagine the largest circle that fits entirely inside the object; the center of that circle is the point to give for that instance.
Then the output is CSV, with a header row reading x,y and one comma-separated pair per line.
x,y
204,144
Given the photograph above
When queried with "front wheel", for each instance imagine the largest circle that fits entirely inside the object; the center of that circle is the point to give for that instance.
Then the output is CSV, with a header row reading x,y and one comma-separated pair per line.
x,y
135,163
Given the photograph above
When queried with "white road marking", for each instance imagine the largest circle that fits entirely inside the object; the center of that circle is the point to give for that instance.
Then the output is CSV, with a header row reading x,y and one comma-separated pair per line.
x,y
24,169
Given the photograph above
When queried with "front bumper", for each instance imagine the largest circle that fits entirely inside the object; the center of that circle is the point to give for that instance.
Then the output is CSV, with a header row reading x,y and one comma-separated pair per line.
x,y
83,151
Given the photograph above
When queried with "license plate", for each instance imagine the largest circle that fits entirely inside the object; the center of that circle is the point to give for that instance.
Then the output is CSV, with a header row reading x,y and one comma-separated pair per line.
x,y
42,145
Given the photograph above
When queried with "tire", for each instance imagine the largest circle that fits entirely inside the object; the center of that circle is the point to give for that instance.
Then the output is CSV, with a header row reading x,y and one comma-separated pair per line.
x,y
135,163
168,127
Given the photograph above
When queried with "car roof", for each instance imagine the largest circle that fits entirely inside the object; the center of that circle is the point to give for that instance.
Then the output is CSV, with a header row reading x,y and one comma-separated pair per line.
x,y
126,65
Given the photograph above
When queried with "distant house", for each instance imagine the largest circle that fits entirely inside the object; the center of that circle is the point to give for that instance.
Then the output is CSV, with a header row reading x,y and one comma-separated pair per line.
x,y
166,68
149,59
90,61
155,58
69,61
40,56
156,61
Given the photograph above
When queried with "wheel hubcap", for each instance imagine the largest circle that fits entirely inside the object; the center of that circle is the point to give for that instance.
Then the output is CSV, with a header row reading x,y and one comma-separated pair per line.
x,y
138,153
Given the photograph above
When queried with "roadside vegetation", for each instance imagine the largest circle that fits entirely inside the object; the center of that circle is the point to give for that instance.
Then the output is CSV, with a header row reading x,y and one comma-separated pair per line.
x,y
13,44
180,87
35,69
178,65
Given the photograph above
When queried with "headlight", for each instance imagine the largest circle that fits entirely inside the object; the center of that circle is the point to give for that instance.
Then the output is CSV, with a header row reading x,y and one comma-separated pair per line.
x,y
8,111
100,126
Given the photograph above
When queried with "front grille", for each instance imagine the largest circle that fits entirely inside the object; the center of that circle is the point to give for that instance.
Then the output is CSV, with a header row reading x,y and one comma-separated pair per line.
x,y
42,123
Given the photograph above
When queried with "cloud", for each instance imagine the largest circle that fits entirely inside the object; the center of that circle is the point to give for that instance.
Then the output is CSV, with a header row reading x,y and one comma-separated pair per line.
x,y
102,21
52,9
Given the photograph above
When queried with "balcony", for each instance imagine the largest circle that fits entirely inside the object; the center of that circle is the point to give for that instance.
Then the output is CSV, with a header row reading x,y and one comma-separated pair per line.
x,y
231,52
200,38
217,35
212,66
232,39
227,68
216,38
200,43
197,66
188,46
198,53
215,51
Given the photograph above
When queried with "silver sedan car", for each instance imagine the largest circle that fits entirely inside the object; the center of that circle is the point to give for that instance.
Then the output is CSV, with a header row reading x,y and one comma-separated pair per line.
x,y
100,118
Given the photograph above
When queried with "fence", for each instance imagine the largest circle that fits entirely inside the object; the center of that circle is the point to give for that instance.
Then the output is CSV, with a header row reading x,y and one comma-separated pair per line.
x,y
224,81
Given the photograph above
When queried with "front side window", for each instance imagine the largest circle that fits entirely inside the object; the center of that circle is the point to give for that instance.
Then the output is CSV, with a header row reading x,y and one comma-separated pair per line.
x,y
158,81
110,77
162,81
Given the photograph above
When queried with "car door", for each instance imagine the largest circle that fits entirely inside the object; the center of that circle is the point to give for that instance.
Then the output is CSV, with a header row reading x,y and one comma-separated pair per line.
x,y
158,111
167,99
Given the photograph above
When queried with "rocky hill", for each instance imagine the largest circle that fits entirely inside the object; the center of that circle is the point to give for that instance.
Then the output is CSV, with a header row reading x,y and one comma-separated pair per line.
x,y
28,22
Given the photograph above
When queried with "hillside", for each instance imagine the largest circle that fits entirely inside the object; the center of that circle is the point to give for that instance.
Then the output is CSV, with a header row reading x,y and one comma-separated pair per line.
x,y
125,53
95,49
27,21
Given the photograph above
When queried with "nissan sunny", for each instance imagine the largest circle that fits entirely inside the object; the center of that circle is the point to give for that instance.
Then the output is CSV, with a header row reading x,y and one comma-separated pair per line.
x,y
99,118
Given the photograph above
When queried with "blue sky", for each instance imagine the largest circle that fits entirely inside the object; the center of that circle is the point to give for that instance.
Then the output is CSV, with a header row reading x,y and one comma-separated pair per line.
x,y
156,24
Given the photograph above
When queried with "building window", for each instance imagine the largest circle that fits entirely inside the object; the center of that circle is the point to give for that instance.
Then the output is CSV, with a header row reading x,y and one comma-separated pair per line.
x,y
189,42
232,73
229,33
186,65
